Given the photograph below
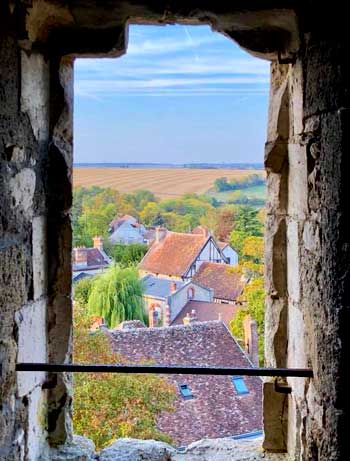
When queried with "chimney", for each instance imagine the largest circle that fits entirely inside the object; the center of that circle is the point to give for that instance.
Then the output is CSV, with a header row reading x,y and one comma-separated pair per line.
x,y
251,339
98,242
80,256
166,321
220,317
173,287
157,235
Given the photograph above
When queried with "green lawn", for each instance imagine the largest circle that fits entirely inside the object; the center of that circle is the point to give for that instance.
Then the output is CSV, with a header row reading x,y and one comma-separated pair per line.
x,y
254,192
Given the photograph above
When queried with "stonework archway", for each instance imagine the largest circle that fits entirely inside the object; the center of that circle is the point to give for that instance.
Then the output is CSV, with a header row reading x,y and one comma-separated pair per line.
x,y
307,235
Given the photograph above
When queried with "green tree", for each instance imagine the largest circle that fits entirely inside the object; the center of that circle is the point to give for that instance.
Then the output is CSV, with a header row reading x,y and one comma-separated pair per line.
x,y
247,221
116,295
254,297
125,255
81,290
108,406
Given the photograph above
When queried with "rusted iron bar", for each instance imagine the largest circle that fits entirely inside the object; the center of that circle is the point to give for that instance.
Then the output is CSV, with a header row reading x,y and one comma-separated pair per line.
x,y
164,369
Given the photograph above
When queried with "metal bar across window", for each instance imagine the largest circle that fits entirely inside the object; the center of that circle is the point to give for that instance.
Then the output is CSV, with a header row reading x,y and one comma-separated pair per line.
x,y
164,369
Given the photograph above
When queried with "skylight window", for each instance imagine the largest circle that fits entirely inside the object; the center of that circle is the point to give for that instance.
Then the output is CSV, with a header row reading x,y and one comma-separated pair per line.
x,y
239,385
185,391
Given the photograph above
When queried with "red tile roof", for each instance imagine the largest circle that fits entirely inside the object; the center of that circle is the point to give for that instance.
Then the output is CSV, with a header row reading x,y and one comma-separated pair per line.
x,y
206,311
216,409
93,258
222,278
174,254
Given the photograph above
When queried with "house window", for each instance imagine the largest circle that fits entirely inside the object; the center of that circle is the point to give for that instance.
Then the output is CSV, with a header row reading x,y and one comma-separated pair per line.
x,y
185,391
190,293
239,385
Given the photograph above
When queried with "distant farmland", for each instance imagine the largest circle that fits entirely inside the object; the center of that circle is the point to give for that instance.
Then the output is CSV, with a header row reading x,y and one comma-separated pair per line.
x,y
163,182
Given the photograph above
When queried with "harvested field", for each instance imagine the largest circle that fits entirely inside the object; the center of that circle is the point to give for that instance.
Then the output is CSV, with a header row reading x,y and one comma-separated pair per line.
x,y
163,182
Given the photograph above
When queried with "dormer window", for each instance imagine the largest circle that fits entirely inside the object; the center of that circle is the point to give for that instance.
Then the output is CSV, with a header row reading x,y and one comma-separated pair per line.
x,y
239,385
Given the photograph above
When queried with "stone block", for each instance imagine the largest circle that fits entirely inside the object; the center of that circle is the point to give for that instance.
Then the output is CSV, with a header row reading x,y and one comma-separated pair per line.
x,y
137,450
22,187
297,181
35,81
80,449
293,261
39,248
31,323
275,408
36,440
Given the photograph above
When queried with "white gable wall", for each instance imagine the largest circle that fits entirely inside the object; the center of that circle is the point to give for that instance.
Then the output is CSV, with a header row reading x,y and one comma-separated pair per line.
x,y
128,234
231,255
179,298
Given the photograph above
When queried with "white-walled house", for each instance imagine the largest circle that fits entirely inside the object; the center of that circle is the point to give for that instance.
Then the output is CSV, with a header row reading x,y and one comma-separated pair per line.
x,y
230,254
164,299
126,230
178,256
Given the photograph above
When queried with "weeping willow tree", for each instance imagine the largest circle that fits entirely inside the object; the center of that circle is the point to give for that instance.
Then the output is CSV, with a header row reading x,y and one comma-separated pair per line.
x,y
116,295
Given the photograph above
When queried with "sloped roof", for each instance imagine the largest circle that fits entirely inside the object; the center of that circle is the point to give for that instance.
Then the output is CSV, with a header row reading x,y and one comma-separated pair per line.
x,y
95,258
174,254
222,245
225,282
158,287
118,221
206,311
216,410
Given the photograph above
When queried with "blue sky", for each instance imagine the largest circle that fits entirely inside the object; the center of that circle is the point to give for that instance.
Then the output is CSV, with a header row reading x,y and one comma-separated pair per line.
x,y
181,94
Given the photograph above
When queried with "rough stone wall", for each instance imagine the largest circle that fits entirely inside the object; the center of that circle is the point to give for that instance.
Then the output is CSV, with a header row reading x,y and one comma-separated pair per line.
x,y
35,240
307,247
307,238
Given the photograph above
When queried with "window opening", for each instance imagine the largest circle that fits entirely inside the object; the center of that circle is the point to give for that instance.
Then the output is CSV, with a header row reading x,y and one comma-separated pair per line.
x,y
239,385
185,391
154,131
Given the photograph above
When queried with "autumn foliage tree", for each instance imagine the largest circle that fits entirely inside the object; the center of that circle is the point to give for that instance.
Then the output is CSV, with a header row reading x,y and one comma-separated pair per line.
x,y
108,406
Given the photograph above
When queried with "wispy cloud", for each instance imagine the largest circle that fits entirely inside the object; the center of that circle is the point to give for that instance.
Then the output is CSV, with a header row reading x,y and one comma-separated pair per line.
x,y
173,63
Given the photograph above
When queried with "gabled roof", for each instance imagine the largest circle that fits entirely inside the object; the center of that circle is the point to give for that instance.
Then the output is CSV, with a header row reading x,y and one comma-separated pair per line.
x,y
225,282
174,254
216,409
206,311
119,220
94,258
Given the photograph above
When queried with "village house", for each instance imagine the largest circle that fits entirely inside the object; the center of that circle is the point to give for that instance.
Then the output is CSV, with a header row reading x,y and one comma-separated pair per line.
x,y
204,311
230,254
126,230
87,262
170,302
226,283
178,255
165,298
204,406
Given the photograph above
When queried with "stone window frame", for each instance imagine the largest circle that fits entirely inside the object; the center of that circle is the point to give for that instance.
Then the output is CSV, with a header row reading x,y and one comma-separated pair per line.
x,y
306,238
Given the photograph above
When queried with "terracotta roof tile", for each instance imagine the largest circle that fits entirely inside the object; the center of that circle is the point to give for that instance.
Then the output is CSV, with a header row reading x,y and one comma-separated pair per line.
x,y
225,282
93,258
174,254
206,311
216,410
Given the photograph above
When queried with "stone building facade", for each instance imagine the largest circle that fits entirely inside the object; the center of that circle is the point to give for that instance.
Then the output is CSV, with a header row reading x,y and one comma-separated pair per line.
x,y
307,232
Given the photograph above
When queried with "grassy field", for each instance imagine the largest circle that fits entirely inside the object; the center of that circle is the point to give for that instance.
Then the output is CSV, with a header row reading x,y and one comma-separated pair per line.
x,y
163,183
254,192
